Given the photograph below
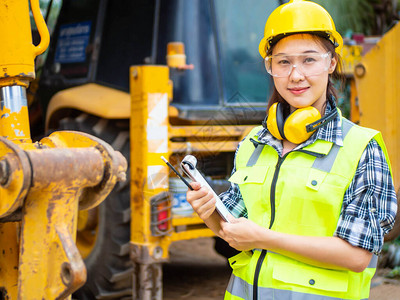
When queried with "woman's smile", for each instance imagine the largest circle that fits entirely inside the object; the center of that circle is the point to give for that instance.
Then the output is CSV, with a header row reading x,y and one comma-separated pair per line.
x,y
298,90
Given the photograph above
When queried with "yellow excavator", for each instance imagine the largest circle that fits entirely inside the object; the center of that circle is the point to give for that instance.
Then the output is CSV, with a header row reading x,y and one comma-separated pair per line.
x,y
151,78
43,183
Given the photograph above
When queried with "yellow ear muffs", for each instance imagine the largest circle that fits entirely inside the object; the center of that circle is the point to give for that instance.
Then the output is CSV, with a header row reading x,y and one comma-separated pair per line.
x,y
293,128
296,123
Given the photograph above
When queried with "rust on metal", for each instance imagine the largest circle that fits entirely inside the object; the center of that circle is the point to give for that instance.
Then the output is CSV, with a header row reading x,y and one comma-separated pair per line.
x,y
66,166
42,186
115,164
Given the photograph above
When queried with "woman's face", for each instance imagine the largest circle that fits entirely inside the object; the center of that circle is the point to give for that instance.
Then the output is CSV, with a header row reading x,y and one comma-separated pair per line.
x,y
297,89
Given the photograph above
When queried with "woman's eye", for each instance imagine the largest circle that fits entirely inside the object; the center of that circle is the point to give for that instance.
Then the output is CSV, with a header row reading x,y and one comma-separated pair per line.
x,y
283,62
309,60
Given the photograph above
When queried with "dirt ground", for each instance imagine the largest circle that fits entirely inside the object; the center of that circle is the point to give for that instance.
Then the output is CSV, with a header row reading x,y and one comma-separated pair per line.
x,y
197,272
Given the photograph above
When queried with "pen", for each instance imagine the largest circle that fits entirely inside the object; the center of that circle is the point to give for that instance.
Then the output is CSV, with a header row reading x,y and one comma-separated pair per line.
x,y
176,172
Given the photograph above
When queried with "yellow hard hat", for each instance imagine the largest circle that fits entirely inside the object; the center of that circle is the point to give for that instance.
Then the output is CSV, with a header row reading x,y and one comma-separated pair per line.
x,y
299,16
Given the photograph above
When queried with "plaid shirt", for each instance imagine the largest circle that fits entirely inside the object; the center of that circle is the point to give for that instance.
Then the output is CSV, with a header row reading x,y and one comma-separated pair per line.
x,y
369,204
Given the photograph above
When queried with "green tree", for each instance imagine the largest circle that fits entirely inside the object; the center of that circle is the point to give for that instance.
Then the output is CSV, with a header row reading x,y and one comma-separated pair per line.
x,y
370,17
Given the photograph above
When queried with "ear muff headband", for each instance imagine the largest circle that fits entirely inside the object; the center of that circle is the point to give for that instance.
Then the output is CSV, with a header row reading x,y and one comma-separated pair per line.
x,y
321,122
280,120
298,126
271,123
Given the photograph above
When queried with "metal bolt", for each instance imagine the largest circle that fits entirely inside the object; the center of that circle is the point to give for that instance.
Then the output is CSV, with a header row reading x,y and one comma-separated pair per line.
x,y
4,172
66,273
135,73
157,253
360,70
121,176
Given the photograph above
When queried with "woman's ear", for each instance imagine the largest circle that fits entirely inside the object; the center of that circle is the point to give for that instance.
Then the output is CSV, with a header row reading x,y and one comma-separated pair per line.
x,y
333,64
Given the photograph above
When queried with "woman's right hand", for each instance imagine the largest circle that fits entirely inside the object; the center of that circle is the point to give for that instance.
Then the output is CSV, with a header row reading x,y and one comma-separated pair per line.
x,y
202,200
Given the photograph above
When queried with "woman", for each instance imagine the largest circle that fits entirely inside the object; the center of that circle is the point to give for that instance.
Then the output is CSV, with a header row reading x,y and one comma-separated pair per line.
x,y
312,202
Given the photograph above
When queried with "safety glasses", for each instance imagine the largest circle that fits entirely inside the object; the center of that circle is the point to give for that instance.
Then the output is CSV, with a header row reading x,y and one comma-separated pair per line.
x,y
308,64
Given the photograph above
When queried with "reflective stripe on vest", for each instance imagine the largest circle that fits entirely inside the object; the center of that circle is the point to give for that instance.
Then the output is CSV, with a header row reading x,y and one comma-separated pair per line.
x,y
239,288
323,163
243,290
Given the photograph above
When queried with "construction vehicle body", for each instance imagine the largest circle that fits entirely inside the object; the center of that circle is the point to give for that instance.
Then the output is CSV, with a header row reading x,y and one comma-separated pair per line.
x,y
149,110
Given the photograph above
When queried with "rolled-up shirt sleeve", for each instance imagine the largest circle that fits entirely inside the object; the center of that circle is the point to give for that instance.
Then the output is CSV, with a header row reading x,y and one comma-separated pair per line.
x,y
369,204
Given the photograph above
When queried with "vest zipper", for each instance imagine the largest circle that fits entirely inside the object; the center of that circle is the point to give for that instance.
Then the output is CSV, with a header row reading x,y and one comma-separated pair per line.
x,y
272,202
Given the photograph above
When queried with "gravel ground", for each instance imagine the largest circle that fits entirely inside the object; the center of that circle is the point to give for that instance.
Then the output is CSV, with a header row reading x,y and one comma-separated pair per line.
x,y
197,272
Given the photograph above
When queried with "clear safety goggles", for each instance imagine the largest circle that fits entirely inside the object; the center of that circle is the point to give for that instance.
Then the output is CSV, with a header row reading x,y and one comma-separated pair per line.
x,y
308,64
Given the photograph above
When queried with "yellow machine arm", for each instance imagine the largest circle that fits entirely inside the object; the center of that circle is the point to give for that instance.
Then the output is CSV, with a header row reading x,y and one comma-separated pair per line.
x,y
42,184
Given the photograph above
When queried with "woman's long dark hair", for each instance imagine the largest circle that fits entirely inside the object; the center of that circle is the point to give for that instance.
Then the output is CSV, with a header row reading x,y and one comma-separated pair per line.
x,y
336,75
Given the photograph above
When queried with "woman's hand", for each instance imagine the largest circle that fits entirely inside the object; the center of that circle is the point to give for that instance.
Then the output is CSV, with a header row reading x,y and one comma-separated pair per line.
x,y
202,200
243,234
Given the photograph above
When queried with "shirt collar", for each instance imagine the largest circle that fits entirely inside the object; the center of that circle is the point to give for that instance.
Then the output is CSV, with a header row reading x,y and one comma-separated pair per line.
x,y
331,132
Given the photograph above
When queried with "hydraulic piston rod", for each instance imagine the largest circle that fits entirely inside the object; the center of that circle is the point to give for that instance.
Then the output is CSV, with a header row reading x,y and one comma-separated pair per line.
x,y
14,110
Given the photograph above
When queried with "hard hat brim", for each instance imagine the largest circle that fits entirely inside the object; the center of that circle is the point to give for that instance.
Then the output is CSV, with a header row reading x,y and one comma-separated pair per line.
x,y
334,37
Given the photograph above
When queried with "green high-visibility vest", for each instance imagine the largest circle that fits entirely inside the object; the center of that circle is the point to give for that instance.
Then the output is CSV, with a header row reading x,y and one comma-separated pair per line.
x,y
300,193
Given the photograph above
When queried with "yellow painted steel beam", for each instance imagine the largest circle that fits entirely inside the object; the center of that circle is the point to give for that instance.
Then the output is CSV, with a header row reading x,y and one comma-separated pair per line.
x,y
206,131
203,146
191,234
150,88
180,221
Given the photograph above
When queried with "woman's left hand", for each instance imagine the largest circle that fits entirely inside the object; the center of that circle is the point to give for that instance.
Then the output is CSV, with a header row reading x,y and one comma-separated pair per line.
x,y
242,234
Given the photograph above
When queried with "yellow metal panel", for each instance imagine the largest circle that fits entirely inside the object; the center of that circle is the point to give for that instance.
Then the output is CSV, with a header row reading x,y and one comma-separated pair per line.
x,y
379,94
9,251
192,234
178,221
207,147
211,131
94,99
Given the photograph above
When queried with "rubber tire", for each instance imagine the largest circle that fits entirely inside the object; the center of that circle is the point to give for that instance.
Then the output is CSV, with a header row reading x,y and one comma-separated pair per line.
x,y
109,269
